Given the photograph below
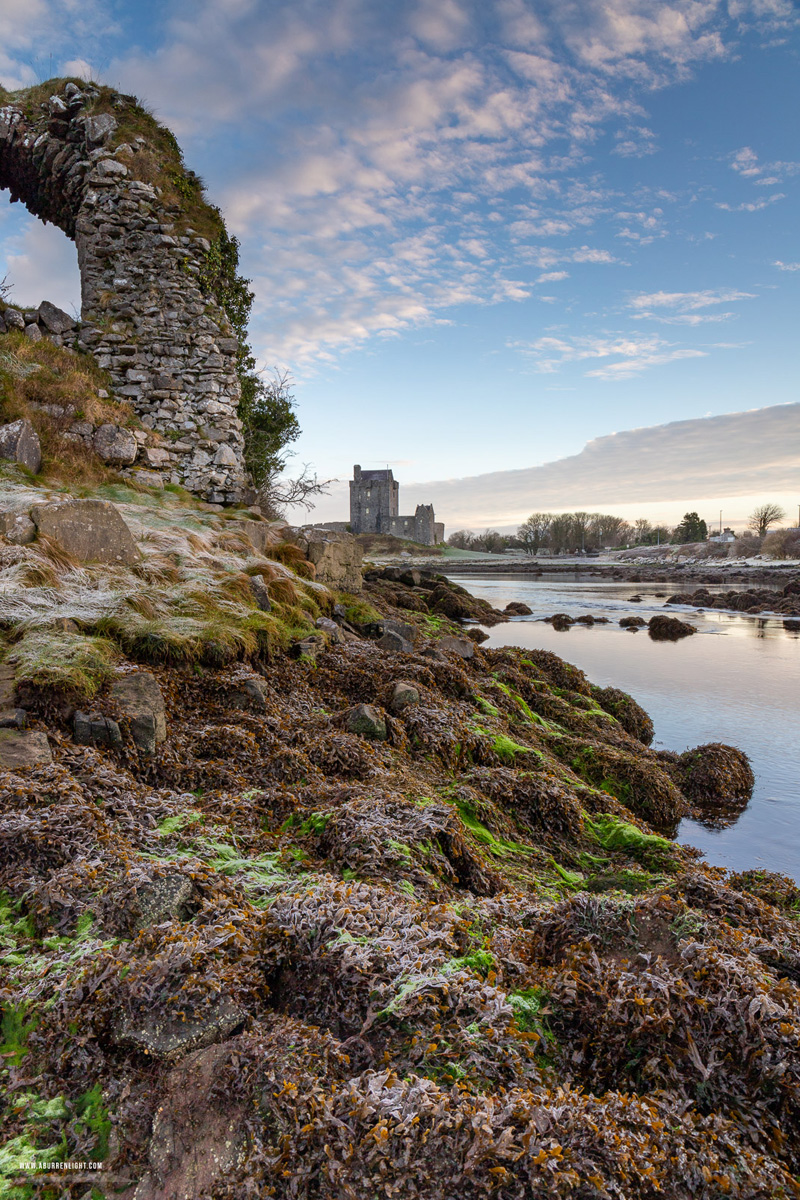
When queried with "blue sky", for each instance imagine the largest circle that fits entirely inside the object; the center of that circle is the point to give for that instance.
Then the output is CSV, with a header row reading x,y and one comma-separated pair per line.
x,y
483,235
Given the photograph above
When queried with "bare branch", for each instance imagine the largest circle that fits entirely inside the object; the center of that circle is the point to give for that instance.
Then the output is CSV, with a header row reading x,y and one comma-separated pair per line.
x,y
278,492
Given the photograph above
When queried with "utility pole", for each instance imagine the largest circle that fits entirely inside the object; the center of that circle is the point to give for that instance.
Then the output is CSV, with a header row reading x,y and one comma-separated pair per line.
x,y
720,522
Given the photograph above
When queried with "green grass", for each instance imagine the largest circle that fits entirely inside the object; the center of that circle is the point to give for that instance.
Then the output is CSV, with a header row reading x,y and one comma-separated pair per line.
x,y
72,663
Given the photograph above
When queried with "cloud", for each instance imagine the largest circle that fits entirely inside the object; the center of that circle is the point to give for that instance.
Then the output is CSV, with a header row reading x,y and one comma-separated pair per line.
x,y
622,356
553,276
752,205
682,307
736,454
42,264
782,266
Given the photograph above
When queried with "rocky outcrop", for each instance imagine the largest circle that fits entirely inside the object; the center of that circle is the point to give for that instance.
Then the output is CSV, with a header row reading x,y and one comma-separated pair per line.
x,y
23,748
336,557
669,629
19,442
89,530
148,316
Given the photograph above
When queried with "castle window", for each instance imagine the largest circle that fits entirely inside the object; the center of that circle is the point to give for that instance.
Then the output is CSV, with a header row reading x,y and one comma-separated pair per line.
x,y
367,511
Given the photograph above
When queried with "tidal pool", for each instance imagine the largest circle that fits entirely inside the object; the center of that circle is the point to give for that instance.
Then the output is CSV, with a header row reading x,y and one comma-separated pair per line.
x,y
736,681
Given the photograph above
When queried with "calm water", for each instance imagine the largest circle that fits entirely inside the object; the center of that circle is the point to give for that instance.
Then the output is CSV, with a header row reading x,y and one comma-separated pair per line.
x,y
736,681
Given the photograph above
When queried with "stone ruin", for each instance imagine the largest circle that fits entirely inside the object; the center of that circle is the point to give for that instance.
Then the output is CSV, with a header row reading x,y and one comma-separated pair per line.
x,y
146,316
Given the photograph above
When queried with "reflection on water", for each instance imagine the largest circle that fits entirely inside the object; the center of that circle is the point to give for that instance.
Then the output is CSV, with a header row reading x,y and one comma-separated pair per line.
x,y
736,681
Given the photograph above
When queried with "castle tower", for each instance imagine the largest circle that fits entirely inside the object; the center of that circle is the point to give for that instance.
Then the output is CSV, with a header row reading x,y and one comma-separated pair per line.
x,y
374,501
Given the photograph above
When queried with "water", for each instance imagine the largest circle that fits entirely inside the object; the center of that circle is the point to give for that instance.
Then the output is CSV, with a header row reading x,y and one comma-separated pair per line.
x,y
736,681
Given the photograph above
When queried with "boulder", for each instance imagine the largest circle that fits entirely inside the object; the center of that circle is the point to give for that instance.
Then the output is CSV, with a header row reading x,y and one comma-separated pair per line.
x,y
55,320
395,642
90,530
139,698
164,898
23,748
33,332
632,622
17,527
13,718
463,647
517,609
336,557
308,647
115,445
366,720
168,1037
260,593
668,629
403,696
260,534
93,729
19,442
13,319
248,693
716,774
331,628
560,621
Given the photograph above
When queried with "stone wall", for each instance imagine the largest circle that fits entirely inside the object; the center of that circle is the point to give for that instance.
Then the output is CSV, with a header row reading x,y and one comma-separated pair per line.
x,y
167,345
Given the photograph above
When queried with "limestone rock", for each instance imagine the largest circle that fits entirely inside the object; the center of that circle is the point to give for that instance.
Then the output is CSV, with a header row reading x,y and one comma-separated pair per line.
x,y
99,129
8,687
164,898
260,593
395,642
460,646
13,319
331,628
260,533
139,698
33,332
19,442
29,748
403,696
366,720
90,530
55,319
167,1037
93,729
199,1136
17,527
115,445
248,692
13,718
336,556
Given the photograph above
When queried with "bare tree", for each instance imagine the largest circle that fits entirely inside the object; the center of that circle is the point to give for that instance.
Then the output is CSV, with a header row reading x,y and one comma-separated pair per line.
x,y
278,492
461,539
533,532
762,517
5,288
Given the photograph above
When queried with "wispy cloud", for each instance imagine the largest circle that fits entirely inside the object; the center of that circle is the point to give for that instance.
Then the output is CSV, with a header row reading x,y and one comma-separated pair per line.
x,y
686,308
621,356
783,266
752,205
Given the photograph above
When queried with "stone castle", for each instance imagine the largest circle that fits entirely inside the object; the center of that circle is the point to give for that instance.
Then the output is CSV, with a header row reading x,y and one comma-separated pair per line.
x,y
375,504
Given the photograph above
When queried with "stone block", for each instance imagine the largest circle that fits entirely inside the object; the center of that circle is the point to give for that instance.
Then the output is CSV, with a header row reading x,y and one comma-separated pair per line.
x,y
139,698
115,445
55,319
93,729
23,748
463,647
395,642
17,527
90,530
19,442
260,593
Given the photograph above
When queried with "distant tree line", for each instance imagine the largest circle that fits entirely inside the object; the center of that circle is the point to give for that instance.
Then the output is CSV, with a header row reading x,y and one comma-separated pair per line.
x,y
582,532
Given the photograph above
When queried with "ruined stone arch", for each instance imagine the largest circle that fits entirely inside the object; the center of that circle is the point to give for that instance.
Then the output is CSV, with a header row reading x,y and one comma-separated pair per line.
x,y
67,153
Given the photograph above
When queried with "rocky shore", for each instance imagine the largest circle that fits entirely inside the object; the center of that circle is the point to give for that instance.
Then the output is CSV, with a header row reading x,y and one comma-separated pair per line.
x,y
306,894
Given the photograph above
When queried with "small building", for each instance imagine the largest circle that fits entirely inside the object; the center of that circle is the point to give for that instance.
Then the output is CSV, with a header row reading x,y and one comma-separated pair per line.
x,y
727,535
375,508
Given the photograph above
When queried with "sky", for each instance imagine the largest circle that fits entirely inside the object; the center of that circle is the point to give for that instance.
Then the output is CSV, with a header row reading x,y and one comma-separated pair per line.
x,y
528,253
